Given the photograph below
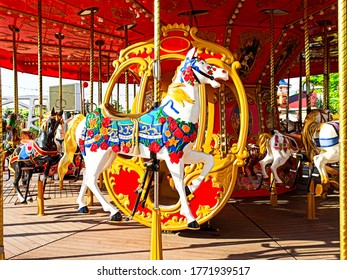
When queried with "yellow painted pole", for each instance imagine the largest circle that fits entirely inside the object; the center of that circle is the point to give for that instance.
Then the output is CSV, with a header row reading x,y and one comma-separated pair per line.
x,y
342,44
307,58
311,205
156,236
2,248
273,192
40,198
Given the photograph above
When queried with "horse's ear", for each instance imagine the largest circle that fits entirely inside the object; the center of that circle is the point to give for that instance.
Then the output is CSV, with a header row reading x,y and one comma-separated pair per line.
x,y
191,53
53,112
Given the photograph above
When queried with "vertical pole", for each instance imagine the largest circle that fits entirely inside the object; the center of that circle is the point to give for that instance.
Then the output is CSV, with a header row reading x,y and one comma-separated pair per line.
x,y
342,45
39,58
100,43
14,64
300,94
60,37
326,68
2,248
307,59
126,73
91,60
156,238
272,70
287,105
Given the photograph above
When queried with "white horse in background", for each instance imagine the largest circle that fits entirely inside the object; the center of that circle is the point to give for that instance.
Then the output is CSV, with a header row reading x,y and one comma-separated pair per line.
x,y
279,147
321,142
169,131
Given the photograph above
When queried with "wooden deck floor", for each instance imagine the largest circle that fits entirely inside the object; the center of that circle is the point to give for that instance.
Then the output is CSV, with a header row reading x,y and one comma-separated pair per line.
x,y
246,229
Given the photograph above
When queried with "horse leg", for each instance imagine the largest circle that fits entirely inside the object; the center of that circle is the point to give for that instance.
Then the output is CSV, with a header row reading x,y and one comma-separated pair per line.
x,y
263,163
194,157
82,207
27,195
18,174
278,161
91,175
177,171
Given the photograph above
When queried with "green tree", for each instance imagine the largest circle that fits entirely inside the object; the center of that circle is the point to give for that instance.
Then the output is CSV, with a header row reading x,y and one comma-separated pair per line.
x,y
318,80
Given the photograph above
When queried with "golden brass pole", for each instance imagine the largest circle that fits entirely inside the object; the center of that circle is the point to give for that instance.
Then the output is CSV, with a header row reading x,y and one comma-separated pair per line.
x,y
100,43
272,70
91,60
342,45
300,93
326,68
2,248
15,30
156,238
39,58
307,58
90,12
60,37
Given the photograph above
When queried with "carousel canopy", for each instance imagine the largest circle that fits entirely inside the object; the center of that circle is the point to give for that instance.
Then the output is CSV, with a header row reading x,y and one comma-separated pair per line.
x,y
242,26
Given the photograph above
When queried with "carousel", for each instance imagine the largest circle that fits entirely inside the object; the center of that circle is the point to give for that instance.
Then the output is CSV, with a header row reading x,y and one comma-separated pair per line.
x,y
200,105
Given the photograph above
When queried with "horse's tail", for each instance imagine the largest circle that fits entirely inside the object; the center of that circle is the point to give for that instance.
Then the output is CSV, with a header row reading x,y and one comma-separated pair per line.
x,y
263,139
309,129
69,147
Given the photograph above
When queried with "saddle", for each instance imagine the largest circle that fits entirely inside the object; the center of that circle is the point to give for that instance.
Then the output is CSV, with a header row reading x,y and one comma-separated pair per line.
x,y
297,139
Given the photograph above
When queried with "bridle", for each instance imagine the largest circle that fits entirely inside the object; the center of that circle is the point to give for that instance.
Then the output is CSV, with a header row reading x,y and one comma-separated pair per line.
x,y
191,62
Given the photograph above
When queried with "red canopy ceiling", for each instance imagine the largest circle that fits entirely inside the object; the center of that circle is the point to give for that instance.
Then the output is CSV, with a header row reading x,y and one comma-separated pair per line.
x,y
243,26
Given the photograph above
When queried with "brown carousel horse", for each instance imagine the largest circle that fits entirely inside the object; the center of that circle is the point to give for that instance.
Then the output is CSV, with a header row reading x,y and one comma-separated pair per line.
x,y
37,155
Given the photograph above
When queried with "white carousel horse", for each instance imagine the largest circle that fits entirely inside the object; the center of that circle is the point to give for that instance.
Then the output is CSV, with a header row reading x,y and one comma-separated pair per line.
x,y
321,142
279,147
169,131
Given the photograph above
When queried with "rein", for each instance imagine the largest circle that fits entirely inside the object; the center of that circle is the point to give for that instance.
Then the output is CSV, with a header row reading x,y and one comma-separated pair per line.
x,y
192,62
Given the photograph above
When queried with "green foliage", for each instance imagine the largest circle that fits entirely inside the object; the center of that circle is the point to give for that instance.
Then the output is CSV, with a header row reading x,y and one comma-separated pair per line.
x,y
318,80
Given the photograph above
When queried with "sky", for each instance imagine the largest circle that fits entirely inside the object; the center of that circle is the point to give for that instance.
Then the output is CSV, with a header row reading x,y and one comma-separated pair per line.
x,y
28,84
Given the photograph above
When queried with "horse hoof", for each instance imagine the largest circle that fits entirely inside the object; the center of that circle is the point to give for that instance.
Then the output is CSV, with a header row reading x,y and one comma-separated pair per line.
x,y
193,225
83,210
20,202
116,217
188,192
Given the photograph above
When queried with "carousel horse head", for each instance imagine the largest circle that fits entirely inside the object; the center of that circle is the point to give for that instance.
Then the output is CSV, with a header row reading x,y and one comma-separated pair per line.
x,y
168,132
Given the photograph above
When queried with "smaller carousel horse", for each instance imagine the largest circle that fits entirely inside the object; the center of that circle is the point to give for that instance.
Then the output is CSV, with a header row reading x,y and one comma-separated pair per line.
x,y
37,155
280,147
169,131
321,141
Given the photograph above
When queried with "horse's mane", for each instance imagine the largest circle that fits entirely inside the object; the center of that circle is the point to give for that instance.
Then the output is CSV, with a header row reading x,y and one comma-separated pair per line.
x,y
178,94
263,139
311,126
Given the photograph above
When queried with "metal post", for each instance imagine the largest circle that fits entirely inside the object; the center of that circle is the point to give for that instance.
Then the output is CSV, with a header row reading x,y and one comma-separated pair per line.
x,y
326,43
272,70
39,58
2,248
14,30
342,43
300,94
60,37
86,12
307,58
156,238
99,43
